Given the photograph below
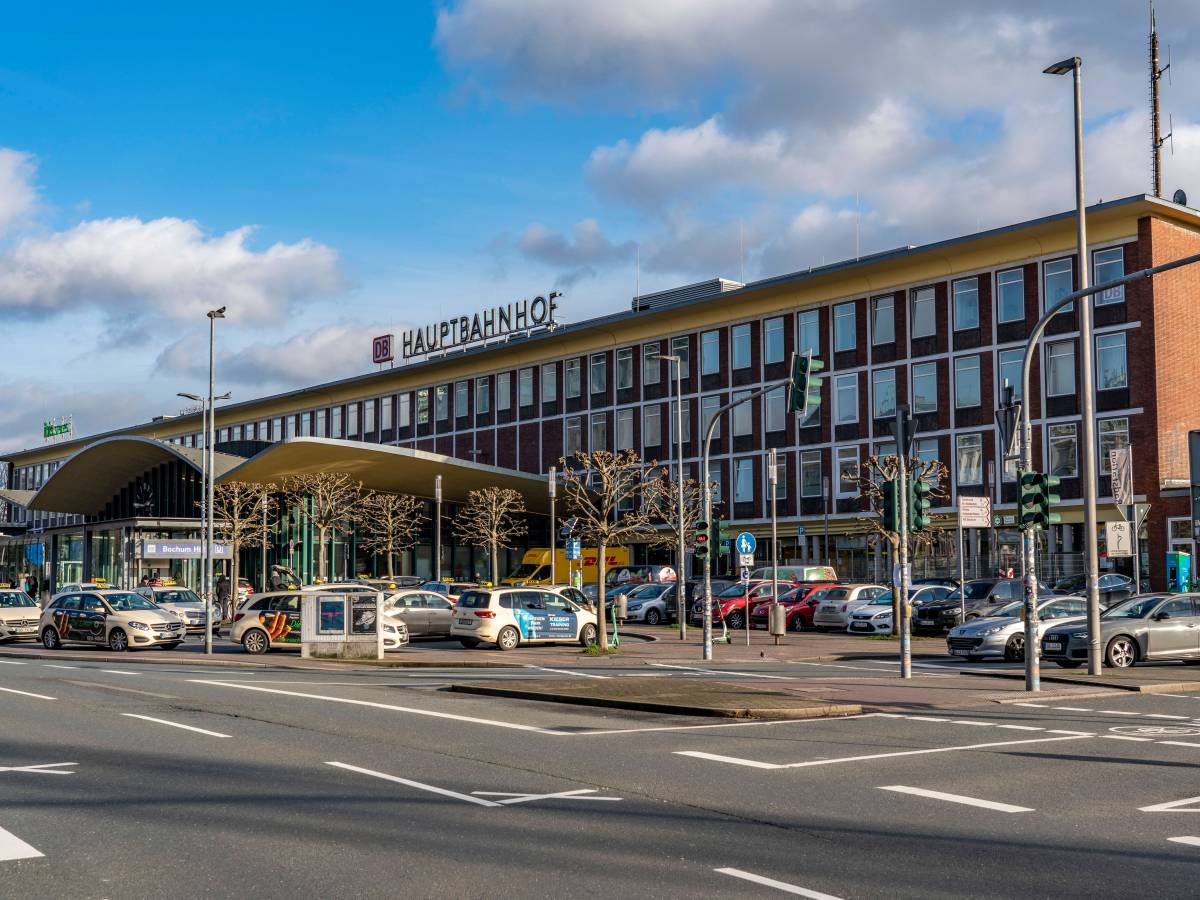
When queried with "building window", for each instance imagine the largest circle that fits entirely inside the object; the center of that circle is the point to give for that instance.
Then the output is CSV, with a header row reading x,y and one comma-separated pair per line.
x,y
927,450
708,409
403,410
352,418
652,425
423,406
1058,282
263,433
883,320
847,471
598,373
385,413
681,347
739,341
483,399
651,363
1108,265
966,304
884,392
441,405
1010,299
710,353
776,406
844,337
810,473
599,436
549,383
368,417
743,415
809,324
1112,434
503,391
525,387
966,382
335,424
625,368
1009,367
924,313
574,429
1064,451
847,399
461,407
743,480
781,476
1060,378
624,429
924,386
573,382
773,340
685,412
1112,372
970,459
305,426
291,428
717,484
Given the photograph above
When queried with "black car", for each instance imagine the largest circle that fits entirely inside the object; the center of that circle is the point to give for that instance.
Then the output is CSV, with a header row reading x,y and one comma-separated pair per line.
x,y
936,582
981,594
1113,587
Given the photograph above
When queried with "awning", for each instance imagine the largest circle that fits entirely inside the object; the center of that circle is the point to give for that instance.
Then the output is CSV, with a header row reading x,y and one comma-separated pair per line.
x,y
20,498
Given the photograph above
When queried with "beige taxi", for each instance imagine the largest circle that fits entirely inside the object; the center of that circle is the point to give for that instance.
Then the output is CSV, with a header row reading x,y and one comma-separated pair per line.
x,y
19,614
118,620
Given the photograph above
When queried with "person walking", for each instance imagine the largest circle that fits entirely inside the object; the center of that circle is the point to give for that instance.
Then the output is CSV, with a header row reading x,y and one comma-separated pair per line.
x,y
33,586
223,596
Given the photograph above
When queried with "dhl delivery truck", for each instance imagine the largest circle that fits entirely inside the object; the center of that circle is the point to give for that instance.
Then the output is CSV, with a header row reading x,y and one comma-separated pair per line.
x,y
535,565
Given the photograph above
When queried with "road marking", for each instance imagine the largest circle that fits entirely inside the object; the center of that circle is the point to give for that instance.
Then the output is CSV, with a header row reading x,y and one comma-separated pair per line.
x,y
732,760
1164,716
1180,743
1174,806
1122,737
1022,727
119,672
837,666
955,798
124,690
926,719
971,722
529,798
1075,733
424,787
566,672
1073,708
1190,841
53,666
778,885
1034,705
725,672
13,662
12,847
41,769
25,694
405,709
176,725
1118,712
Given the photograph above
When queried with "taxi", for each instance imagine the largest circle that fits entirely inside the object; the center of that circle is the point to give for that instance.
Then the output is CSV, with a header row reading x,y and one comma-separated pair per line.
x,y
184,603
118,620
511,616
19,614
272,620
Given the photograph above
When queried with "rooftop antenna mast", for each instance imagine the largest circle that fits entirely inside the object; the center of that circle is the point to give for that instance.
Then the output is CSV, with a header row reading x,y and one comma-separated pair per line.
x,y
1156,138
637,275
741,252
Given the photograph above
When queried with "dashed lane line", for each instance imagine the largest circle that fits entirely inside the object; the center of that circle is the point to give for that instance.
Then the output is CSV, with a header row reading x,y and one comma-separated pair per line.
x,y
1190,841
119,672
55,666
955,798
176,725
793,889
124,690
11,662
25,693
479,801
566,672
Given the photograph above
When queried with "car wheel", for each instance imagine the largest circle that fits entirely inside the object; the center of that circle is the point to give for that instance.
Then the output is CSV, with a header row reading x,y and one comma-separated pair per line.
x,y
256,641
653,617
587,635
1014,650
797,623
1121,652
469,643
736,620
118,641
508,638
50,638
1069,663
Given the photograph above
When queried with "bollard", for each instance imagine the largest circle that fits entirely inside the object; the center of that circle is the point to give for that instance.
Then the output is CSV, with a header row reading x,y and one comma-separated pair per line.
x,y
621,607
778,621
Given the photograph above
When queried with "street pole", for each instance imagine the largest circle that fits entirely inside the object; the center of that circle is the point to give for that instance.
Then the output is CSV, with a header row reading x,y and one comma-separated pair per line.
x,y
437,529
902,550
772,480
553,528
680,577
962,580
825,489
1133,517
266,582
213,315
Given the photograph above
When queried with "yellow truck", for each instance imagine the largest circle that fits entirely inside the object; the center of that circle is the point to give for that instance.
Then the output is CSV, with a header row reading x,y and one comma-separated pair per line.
x,y
535,565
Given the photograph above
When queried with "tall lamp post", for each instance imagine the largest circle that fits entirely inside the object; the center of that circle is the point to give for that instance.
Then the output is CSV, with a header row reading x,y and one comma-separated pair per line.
x,y
553,483
437,528
1074,65
680,578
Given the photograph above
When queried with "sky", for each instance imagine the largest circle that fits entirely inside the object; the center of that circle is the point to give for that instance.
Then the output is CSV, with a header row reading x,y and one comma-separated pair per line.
x,y
334,171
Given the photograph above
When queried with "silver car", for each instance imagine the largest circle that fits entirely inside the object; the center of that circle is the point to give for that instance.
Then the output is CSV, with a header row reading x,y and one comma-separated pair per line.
x,y
426,613
1001,633
839,604
1142,628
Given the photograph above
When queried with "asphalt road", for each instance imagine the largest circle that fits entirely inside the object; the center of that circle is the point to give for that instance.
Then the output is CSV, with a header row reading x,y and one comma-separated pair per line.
x,y
201,782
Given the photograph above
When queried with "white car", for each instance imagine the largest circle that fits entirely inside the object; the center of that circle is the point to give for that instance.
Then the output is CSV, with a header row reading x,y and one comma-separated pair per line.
x,y
19,615
119,620
874,617
184,603
511,616
271,620
1001,633
840,602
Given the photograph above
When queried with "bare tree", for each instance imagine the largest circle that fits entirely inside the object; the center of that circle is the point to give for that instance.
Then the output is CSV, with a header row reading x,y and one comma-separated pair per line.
x,y
605,493
489,519
391,523
330,501
660,497
238,520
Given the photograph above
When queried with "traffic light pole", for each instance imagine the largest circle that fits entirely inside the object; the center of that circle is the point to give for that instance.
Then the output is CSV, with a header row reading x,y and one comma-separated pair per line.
x,y
905,622
1033,648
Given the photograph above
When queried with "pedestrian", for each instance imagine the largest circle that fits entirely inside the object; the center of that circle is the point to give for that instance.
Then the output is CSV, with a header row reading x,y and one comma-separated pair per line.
x,y
276,579
223,595
33,586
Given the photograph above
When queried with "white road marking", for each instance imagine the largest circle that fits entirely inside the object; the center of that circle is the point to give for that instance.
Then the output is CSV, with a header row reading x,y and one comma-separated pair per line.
x,y
566,672
13,662
1022,727
778,885
1073,708
25,694
370,703
1122,737
926,719
1164,716
725,672
424,787
529,798
1075,733
1034,705
971,722
955,798
1118,712
41,769
1174,806
12,847
732,760
119,672
1190,841
124,690
176,725
1180,743
53,666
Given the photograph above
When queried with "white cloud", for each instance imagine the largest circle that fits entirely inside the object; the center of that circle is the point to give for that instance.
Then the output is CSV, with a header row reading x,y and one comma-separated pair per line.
x,y
94,410
18,196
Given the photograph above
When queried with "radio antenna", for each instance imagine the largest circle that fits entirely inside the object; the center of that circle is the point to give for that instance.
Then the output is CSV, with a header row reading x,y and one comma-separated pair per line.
x,y
1156,138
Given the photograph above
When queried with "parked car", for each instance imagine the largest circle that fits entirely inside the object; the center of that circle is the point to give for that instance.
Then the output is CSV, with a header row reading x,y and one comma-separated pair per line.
x,y
651,603
695,589
118,620
1001,633
799,604
184,603
731,603
1142,628
78,586
631,575
574,594
798,574
396,583
874,617
951,583
839,603
451,590
1113,587
271,620
921,594
981,594
424,613
19,615
509,617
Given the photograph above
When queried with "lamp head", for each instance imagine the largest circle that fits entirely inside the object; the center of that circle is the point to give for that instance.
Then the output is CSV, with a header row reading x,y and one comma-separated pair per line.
x,y
217,313
1063,67
192,397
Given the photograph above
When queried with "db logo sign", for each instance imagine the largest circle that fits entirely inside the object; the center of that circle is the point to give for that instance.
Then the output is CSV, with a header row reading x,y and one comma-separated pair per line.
x,y
381,348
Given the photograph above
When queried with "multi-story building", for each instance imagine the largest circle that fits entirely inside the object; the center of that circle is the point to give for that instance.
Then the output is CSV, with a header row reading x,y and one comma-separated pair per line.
x,y
939,327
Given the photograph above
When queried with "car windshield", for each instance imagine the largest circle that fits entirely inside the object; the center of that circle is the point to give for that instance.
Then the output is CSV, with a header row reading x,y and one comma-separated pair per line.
x,y
14,599
178,597
1133,608
524,570
1074,583
836,594
734,590
882,600
1007,611
650,591
976,590
128,602
474,599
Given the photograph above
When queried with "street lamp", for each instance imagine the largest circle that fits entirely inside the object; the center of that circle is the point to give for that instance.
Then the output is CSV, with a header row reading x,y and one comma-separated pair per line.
x,y
553,486
437,528
680,580
1074,65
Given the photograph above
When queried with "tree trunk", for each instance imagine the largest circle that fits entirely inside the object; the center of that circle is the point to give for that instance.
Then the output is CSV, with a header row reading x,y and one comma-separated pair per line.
x,y
495,565
601,627
391,558
322,533
236,548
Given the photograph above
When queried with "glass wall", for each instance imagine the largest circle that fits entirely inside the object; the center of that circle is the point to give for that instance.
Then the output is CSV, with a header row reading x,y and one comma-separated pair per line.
x,y
68,562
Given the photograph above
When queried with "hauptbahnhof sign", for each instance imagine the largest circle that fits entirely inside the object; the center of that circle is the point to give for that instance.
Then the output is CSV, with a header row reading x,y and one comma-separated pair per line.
x,y
521,315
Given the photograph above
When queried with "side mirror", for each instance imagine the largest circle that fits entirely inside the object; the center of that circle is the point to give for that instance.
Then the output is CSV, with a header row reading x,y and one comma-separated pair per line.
x,y
1158,617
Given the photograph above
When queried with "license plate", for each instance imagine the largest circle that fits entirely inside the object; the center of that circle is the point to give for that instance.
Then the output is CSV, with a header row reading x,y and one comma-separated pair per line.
x,y
960,652
757,625
1053,646
163,636
466,621
26,630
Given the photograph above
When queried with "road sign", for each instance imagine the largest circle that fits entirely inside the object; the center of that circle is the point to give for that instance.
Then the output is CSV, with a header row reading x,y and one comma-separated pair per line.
x,y
573,549
745,559
746,544
801,531
1141,511
745,575
1118,538
1120,462
974,512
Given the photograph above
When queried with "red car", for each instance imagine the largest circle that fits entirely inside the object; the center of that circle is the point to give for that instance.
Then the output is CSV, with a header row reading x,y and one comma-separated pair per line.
x,y
800,603
730,604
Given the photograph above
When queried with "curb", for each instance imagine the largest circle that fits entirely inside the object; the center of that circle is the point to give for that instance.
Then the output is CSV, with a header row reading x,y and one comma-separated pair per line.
x,y
283,662
1110,688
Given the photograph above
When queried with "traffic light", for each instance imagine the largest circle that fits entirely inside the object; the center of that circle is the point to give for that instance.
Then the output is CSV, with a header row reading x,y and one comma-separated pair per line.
x,y
918,504
890,514
701,540
1037,501
804,389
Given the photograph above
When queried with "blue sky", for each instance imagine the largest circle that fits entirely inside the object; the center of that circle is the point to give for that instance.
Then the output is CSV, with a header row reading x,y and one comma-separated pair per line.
x,y
331,171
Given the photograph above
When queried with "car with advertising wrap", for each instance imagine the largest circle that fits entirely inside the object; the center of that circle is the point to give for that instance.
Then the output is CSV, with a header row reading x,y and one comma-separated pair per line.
x,y
118,620
798,574
272,620
19,615
799,605
1144,628
1001,633
839,603
510,617
184,603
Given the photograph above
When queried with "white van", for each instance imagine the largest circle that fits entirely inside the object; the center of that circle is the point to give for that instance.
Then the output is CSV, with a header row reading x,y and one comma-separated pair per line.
x,y
509,617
